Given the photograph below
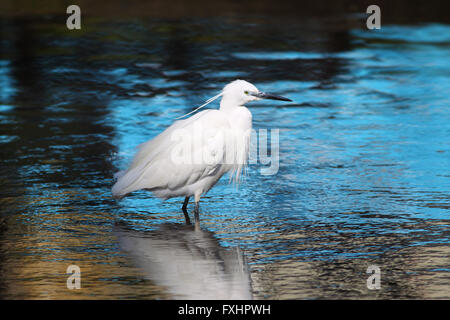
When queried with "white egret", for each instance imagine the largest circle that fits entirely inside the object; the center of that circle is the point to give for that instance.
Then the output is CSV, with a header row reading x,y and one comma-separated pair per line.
x,y
191,155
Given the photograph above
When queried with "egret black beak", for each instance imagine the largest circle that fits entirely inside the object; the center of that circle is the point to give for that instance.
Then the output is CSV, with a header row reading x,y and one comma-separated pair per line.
x,y
264,95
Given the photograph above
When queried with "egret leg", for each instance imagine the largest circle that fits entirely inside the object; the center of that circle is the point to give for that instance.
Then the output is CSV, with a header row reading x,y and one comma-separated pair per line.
x,y
184,208
185,203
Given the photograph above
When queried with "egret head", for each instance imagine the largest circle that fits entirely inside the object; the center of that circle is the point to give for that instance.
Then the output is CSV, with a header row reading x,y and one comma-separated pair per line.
x,y
242,92
238,93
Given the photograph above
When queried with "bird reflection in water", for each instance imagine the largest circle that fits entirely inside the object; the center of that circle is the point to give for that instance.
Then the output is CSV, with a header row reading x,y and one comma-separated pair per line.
x,y
188,261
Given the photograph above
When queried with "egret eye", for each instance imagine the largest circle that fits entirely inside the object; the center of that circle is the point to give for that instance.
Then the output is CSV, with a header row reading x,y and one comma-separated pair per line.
x,y
246,92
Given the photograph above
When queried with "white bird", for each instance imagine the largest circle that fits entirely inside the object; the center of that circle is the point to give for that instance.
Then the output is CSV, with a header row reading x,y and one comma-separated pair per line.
x,y
191,155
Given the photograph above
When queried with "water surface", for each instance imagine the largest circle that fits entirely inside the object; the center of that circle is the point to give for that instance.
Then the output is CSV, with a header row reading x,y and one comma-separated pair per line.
x,y
364,158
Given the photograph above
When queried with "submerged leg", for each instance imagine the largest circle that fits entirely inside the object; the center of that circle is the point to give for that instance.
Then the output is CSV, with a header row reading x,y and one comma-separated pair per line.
x,y
196,215
185,203
184,208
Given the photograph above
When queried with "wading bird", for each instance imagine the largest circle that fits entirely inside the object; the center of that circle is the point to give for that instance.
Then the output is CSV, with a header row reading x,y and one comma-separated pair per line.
x,y
192,154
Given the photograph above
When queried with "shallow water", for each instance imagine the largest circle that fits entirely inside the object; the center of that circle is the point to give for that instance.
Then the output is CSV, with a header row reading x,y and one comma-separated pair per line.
x,y
363,175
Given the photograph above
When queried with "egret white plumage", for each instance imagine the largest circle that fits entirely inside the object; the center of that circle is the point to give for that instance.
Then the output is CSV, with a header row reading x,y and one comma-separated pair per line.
x,y
191,155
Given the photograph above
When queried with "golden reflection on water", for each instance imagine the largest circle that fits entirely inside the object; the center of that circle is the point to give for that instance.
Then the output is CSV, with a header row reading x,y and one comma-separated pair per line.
x,y
363,180
411,273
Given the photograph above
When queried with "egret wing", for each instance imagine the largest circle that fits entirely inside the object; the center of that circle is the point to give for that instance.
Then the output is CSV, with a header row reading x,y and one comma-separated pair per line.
x,y
184,153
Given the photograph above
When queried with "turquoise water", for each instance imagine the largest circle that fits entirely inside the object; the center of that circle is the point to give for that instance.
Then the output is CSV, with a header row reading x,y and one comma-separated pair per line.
x,y
364,160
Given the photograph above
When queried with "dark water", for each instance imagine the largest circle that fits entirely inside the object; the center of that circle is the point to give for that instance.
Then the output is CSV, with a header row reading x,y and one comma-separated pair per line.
x,y
364,158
